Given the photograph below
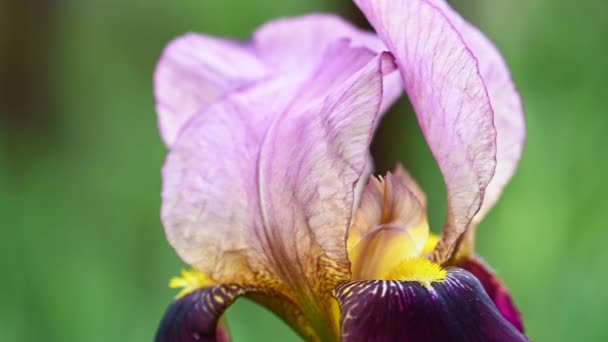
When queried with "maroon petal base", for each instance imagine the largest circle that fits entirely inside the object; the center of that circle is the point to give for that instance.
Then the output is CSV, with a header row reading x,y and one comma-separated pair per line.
x,y
457,309
195,316
495,289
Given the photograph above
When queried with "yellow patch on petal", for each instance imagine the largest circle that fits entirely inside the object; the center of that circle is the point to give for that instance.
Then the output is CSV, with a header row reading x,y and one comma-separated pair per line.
x,y
190,281
430,244
380,251
418,269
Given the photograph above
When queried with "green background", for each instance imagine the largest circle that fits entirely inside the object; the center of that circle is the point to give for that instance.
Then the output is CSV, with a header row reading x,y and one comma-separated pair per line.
x,y
83,254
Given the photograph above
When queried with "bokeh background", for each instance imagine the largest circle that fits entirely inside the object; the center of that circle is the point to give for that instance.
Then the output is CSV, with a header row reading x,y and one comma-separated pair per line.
x,y
83,254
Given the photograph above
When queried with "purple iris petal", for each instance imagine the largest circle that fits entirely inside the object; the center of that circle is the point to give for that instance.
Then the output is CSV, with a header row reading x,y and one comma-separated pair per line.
x,y
196,316
495,289
457,309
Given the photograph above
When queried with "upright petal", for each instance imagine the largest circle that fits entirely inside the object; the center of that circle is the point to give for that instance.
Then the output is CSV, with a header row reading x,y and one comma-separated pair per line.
x,y
442,79
258,189
296,45
506,103
195,71
456,309
309,165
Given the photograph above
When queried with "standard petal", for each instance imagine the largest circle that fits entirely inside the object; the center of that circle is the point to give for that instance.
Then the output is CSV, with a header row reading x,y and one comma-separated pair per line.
x,y
309,165
442,79
506,103
456,309
495,289
195,71
296,45
259,188
196,316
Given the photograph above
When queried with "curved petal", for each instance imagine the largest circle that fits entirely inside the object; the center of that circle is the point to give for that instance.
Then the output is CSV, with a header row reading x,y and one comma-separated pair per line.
x,y
457,309
196,316
441,77
506,103
495,289
296,45
195,71
259,188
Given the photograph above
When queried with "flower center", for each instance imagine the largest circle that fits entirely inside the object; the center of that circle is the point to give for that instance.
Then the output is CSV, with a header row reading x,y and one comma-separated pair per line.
x,y
418,269
392,253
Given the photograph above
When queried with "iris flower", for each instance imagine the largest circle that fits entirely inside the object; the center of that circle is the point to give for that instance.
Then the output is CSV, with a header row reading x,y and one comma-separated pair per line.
x,y
267,189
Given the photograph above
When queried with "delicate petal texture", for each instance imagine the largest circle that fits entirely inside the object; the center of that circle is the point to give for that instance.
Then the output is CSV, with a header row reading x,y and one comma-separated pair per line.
x,y
441,77
457,309
495,289
296,45
258,189
196,316
196,70
506,103
308,167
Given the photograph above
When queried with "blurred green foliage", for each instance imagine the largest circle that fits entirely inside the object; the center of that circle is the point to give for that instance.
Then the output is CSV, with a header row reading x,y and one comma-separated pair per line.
x,y
83,253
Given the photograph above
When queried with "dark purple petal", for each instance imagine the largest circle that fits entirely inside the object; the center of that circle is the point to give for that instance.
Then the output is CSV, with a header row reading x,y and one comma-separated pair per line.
x,y
495,289
457,309
195,316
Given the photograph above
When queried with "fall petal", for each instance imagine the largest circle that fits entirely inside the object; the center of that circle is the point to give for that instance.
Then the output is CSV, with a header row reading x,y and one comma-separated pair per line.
x,y
495,290
456,309
196,316
442,79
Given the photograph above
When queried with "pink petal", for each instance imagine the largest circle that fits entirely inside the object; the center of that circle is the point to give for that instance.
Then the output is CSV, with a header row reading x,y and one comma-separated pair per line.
x,y
506,103
195,71
442,80
296,45
259,188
